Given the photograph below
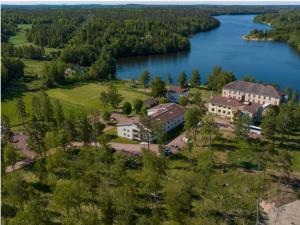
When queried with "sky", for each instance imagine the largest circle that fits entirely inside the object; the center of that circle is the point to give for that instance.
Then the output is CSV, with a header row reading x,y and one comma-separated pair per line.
x,y
151,2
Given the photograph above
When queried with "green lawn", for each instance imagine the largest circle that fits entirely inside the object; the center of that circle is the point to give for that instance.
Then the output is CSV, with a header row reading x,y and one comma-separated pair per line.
x,y
33,67
79,97
20,38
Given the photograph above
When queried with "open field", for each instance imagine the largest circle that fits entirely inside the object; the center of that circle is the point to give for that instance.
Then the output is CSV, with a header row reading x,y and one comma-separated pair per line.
x,y
79,97
20,38
33,67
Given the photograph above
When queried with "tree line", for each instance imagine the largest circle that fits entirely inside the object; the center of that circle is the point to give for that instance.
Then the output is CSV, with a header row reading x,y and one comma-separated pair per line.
x,y
285,26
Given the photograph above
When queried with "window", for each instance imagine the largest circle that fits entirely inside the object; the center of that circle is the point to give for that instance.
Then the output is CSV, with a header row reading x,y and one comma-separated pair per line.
x,y
212,109
219,111
224,111
228,112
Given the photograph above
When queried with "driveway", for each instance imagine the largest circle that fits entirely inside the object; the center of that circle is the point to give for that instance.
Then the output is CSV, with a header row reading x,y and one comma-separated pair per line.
x,y
134,149
20,143
121,118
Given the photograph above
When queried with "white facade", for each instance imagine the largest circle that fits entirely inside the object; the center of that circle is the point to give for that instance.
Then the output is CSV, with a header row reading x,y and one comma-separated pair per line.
x,y
128,130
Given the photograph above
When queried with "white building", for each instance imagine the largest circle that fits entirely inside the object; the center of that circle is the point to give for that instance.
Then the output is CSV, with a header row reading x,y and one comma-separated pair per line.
x,y
164,116
253,92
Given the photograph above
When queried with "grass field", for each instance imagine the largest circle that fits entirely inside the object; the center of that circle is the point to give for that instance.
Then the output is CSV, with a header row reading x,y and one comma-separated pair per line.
x,y
33,67
20,38
77,98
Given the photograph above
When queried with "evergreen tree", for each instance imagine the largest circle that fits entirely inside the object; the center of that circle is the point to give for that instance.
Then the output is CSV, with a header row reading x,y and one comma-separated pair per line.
x,y
182,80
137,105
145,78
126,108
158,87
195,79
21,110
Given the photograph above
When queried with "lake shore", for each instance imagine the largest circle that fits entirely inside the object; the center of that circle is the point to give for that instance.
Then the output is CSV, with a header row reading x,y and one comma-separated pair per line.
x,y
255,38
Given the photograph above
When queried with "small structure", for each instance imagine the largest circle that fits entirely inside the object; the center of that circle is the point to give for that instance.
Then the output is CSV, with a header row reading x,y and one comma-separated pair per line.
x,y
227,107
174,93
253,92
150,102
165,117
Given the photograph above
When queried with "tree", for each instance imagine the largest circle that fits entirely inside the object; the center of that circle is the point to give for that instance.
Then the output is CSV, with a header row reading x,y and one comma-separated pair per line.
x,y
104,67
58,113
195,79
182,80
15,188
104,99
21,110
154,169
145,78
269,124
196,98
137,105
106,115
163,100
218,78
192,118
241,125
36,107
46,107
85,129
68,195
210,132
33,213
5,130
183,100
169,79
158,87
114,97
284,121
126,109
178,201
37,130
54,73
10,155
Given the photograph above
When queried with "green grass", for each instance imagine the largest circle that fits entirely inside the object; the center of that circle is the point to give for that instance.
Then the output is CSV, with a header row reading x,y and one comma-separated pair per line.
x,y
77,98
20,38
34,67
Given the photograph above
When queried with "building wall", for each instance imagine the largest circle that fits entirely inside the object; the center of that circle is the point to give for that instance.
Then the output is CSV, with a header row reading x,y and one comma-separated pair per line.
x,y
174,97
130,131
220,110
249,97
174,123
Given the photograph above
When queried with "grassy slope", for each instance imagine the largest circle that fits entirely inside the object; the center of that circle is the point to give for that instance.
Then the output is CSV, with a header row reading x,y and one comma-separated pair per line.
x,y
79,97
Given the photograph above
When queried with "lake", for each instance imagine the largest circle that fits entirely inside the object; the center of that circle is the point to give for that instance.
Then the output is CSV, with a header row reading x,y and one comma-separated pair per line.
x,y
267,61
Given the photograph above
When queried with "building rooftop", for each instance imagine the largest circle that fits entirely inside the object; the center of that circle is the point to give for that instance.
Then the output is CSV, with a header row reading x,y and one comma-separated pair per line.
x,y
255,88
232,103
150,102
164,113
177,89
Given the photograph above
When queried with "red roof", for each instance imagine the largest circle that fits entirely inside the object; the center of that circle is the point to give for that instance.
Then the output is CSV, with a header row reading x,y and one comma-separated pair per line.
x,y
177,89
234,104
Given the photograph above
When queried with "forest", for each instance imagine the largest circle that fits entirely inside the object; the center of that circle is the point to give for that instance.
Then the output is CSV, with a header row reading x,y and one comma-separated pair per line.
x,y
285,27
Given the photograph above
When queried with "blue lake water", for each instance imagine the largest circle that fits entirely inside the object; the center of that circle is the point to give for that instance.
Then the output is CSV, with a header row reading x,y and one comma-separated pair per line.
x,y
267,61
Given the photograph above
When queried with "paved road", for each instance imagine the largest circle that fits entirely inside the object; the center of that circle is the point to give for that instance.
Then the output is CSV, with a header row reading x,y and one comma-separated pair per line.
x,y
20,143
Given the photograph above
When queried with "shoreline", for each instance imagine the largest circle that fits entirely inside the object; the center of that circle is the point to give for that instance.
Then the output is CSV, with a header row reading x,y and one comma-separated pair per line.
x,y
251,38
